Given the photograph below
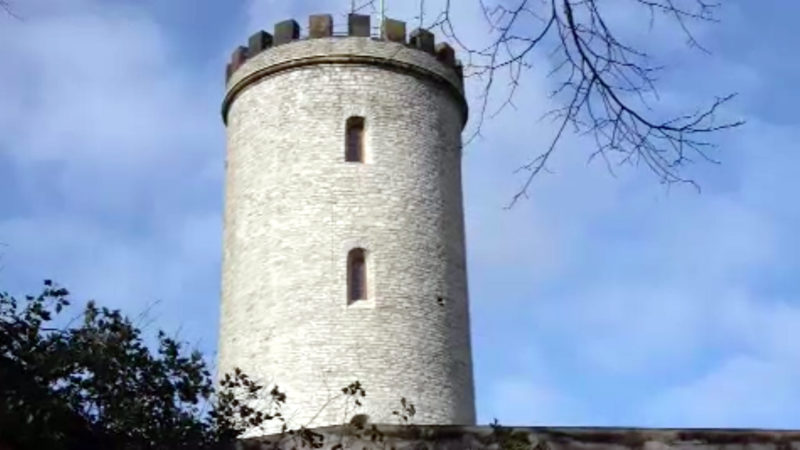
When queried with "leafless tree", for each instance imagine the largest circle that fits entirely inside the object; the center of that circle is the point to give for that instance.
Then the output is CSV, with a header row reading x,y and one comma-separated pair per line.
x,y
604,86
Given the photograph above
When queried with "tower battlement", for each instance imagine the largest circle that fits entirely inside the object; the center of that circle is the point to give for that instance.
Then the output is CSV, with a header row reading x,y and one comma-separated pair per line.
x,y
285,49
321,26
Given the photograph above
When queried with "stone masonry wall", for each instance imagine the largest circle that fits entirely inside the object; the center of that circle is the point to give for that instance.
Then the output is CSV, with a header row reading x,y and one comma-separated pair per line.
x,y
294,208
535,438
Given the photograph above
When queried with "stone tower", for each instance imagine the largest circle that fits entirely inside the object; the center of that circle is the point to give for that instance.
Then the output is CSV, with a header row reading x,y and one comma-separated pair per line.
x,y
344,254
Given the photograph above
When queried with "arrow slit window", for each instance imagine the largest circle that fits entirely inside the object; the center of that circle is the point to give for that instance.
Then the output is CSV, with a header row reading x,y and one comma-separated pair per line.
x,y
354,140
356,275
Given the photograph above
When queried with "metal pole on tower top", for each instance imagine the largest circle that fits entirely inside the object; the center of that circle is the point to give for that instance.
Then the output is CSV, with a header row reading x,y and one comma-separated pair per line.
x,y
383,17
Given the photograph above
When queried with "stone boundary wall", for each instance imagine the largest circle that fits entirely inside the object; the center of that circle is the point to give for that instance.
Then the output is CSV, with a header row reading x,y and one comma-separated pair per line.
x,y
540,438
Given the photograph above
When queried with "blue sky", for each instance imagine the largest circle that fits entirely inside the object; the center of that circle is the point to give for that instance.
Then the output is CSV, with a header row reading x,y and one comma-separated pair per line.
x,y
599,301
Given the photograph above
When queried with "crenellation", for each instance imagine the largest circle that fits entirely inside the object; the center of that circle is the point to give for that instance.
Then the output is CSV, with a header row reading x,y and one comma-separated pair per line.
x,y
358,25
258,42
340,52
394,30
446,54
286,31
238,57
321,26
422,39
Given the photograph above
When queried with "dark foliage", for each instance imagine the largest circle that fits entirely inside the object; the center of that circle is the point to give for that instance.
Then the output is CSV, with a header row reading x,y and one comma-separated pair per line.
x,y
94,383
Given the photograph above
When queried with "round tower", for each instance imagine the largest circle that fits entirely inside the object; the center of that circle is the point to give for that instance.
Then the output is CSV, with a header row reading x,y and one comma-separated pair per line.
x,y
344,255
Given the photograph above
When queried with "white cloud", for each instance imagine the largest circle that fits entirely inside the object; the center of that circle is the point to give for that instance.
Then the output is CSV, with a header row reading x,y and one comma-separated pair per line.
x,y
523,391
744,392
645,290
175,269
95,87
114,145
657,292
94,93
530,402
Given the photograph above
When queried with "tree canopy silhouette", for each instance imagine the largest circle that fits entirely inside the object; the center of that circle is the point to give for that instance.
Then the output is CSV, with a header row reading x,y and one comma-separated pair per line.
x,y
93,382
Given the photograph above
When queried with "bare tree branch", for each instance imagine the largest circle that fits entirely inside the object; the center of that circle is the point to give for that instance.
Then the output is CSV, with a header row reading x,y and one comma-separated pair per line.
x,y
605,85
6,7
357,6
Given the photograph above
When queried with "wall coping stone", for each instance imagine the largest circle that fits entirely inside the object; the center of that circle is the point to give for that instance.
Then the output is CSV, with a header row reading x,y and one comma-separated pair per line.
x,y
453,437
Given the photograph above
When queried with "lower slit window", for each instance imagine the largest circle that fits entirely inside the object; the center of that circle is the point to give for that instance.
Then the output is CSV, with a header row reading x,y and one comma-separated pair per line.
x,y
356,275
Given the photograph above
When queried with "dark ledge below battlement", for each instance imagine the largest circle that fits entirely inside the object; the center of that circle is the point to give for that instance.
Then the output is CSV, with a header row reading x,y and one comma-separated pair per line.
x,y
538,438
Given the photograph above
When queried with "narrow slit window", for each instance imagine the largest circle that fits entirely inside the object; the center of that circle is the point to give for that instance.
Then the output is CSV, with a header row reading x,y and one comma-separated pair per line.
x,y
354,140
356,275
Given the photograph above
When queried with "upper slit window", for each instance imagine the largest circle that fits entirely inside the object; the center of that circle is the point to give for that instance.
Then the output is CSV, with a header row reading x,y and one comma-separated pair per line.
x,y
354,140
356,275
